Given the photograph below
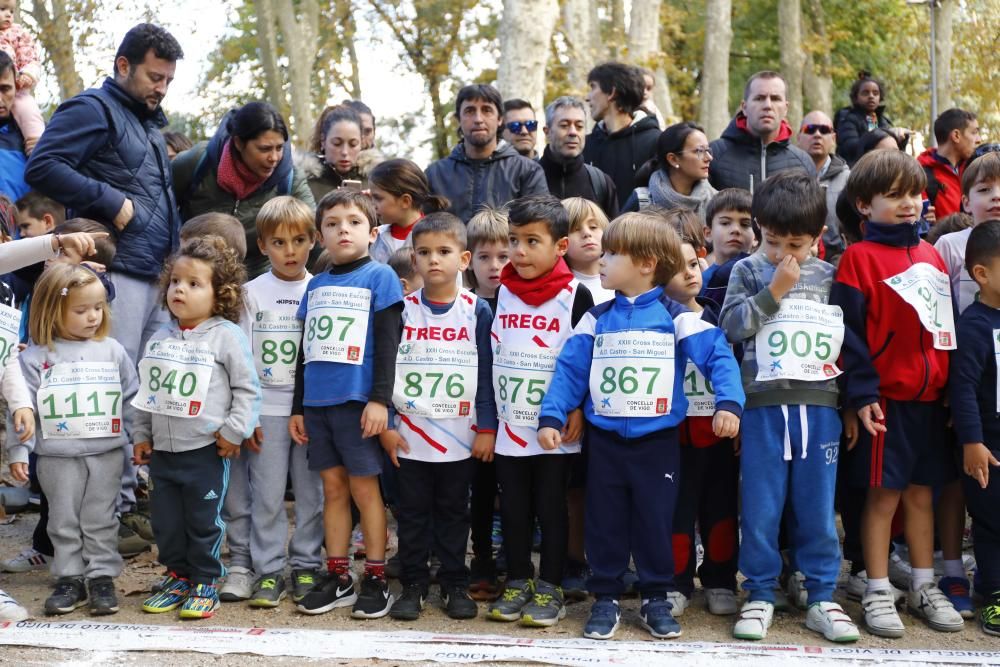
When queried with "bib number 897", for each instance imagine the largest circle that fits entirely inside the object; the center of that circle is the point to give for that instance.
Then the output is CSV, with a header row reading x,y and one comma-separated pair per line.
x,y
270,350
626,379
801,344
415,384
188,381
321,328
510,385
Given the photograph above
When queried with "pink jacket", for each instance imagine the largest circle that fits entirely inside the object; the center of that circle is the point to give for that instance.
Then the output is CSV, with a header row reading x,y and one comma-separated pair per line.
x,y
21,47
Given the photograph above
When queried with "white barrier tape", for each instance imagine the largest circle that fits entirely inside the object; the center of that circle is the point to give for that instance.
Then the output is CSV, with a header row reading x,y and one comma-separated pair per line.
x,y
437,647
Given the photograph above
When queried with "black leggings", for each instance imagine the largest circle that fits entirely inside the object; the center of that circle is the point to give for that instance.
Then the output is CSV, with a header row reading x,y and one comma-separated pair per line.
x,y
484,495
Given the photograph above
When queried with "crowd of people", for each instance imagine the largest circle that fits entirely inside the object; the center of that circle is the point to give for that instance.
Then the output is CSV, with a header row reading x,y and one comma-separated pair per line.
x,y
633,343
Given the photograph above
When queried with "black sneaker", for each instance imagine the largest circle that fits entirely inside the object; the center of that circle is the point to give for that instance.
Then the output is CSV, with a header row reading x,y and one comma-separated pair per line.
x,y
410,603
375,601
393,567
103,600
68,594
303,581
334,591
458,604
269,591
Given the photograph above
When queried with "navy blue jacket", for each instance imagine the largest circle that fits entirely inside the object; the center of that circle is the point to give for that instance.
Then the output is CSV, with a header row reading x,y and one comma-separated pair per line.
x,y
973,380
100,148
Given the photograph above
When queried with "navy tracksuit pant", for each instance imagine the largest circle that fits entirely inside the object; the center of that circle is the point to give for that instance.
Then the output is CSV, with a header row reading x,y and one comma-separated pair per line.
x,y
982,505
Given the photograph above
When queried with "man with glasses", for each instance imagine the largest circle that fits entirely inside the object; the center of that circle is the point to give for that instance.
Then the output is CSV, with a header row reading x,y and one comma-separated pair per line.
x,y
817,138
520,129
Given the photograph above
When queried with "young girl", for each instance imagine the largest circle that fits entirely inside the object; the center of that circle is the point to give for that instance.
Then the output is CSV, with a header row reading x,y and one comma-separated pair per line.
x,y
199,399
586,227
82,383
402,196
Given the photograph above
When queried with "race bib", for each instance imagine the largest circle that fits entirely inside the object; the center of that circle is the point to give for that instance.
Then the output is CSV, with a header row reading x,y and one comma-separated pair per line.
x,y
276,338
699,392
435,379
928,291
80,400
801,341
336,325
174,377
632,374
521,376
10,333
996,353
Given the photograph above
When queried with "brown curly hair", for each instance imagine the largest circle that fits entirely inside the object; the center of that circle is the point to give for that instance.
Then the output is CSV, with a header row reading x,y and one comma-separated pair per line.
x,y
228,273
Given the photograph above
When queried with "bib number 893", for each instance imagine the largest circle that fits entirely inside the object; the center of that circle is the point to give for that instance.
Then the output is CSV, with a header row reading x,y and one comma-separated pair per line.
x,y
801,344
321,328
270,350
510,385
188,381
415,384
626,379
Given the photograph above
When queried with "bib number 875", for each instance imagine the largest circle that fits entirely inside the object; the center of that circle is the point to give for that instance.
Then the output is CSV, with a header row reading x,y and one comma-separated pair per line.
x,y
415,384
510,386
801,344
188,381
321,328
626,379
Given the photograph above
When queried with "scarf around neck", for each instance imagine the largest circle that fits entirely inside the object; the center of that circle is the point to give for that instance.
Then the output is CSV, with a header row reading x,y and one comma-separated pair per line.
x,y
538,290
662,192
235,177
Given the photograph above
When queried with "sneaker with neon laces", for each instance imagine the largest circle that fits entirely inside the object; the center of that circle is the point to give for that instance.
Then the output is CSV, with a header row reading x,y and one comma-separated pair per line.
x,y
303,581
516,594
721,602
956,589
930,604
857,586
374,600
830,620
881,617
989,615
547,607
169,593
28,560
68,594
10,610
655,616
605,615
269,591
330,592
201,602
678,603
238,585
754,620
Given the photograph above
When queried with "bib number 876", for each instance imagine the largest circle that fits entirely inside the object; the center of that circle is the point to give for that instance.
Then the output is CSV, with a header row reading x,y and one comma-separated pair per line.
x,y
801,344
321,328
510,385
415,384
626,379
188,381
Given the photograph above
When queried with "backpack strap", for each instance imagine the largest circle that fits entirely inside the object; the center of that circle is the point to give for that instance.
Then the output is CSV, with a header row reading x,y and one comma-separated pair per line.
x,y
934,186
642,194
597,183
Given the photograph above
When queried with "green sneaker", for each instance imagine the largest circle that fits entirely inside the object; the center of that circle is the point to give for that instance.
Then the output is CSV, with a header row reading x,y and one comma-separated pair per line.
x,y
989,615
168,594
303,581
517,593
546,608
269,591
201,602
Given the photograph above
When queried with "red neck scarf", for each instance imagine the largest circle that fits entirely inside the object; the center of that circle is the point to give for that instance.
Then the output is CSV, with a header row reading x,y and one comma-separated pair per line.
x,y
538,290
235,177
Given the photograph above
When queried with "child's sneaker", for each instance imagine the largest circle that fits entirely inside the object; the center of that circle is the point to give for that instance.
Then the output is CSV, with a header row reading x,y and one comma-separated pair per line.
x,y
574,584
28,560
269,591
201,602
989,615
238,585
795,587
303,581
956,589
168,594
457,603
103,600
881,617
516,595
678,603
334,591
409,605
655,616
547,608
755,618
721,602
10,610
930,604
68,594
483,581
374,601
130,543
899,571
830,620
605,614
857,586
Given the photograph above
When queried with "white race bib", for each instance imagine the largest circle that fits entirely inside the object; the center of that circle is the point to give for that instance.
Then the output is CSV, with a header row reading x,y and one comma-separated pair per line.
x,y
276,338
699,392
10,332
801,341
521,376
336,325
928,291
436,379
632,374
996,353
174,377
80,400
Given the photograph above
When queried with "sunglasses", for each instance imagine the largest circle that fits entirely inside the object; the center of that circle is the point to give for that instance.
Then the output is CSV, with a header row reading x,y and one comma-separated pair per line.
x,y
813,129
517,126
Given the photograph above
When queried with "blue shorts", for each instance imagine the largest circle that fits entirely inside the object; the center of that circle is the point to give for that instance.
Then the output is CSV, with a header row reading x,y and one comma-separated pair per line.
x,y
335,440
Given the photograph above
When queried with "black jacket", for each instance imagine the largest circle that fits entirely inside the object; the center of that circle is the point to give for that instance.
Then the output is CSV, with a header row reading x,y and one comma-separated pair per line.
x,y
851,124
621,153
570,178
741,161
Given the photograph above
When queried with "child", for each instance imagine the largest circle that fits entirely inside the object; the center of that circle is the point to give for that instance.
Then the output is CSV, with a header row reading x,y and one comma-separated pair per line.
x,y
587,223
37,214
401,263
219,224
198,399
402,196
487,231
896,299
777,307
21,47
973,391
257,523
71,360
710,470
729,231
633,406
956,222
538,304
343,385
441,419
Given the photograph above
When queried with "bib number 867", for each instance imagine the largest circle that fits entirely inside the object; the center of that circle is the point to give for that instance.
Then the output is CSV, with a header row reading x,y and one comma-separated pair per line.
x,y
415,384
321,328
801,344
188,381
626,379
510,386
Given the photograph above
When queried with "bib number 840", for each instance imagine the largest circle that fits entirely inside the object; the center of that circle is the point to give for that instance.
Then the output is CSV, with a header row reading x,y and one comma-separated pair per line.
x,y
510,386
321,328
415,383
801,343
626,380
185,387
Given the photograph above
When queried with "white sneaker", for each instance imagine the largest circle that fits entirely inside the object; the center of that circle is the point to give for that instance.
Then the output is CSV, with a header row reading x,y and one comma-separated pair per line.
x,y
678,603
26,561
857,585
755,618
721,602
968,563
930,604
10,610
881,617
830,620
899,571
238,586
795,587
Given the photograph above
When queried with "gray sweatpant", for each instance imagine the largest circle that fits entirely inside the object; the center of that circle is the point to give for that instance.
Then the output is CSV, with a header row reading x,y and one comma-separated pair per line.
x,y
82,493
254,511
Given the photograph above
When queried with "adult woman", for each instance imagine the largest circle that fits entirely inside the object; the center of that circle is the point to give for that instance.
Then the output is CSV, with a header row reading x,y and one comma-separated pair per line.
x,y
866,113
243,166
336,145
678,174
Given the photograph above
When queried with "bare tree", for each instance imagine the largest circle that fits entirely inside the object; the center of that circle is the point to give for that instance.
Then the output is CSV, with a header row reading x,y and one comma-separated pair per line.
x,y
817,82
53,31
944,11
582,29
792,56
644,49
299,26
267,46
714,112
525,42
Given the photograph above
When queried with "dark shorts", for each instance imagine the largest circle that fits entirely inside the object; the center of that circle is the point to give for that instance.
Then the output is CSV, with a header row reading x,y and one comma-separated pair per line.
x,y
335,440
914,449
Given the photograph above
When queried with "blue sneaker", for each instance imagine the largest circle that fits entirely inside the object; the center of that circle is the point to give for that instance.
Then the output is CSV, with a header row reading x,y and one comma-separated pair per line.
x,y
656,617
574,583
604,617
956,589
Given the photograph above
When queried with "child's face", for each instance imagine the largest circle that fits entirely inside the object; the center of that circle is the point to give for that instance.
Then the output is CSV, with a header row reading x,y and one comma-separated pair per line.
x,y
892,208
987,276
983,201
83,311
439,259
190,294
778,246
585,243
32,227
346,233
622,273
411,284
288,249
533,251
487,261
7,13
392,210
686,283
730,234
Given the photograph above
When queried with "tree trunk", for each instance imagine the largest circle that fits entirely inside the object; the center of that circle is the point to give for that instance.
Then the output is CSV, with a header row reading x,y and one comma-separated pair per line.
x,y
714,111
300,37
267,46
944,48
792,56
57,40
817,83
525,42
583,36
644,49
350,30
616,40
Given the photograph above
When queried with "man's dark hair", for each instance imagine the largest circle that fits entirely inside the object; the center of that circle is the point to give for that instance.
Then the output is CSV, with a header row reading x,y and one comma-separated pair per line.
x,y
624,80
983,245
35,204
7,64
730,199
517,103
441,222
479,91
790,203
359,107
145,36
540,208
950,120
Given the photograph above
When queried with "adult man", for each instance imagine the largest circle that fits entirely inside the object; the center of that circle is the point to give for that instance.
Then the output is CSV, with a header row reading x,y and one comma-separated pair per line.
x,y
478,171
957,134
625,136
565,171
756,143
12,159
519,127
817,138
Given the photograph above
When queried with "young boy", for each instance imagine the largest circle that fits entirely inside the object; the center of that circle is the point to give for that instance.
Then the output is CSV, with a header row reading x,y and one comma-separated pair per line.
x,y
896,299
487,231
254,509
974,409
343,385
444,414
401,263
777,307
538,304
37,215
626,360
587,223
219,224
730,232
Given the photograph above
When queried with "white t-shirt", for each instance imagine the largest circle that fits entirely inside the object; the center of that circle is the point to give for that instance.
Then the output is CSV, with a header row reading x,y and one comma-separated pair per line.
x,y
593,284
951,247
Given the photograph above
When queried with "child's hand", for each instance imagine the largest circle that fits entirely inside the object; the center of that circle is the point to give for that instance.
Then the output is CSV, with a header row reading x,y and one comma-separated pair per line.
x,y
785,276
24,424
392,442
255,440
483,445
573,430
226,449
977,459
725,424
19,471
549,438
871,418
78,245
141,453
850,421
374,419
297,429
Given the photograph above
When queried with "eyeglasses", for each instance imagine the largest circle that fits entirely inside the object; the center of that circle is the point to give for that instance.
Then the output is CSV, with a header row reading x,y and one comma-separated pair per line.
x,y
700,153
813,129
517,126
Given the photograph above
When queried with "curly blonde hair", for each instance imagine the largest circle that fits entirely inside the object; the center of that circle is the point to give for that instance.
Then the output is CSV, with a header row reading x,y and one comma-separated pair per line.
x,y
228,273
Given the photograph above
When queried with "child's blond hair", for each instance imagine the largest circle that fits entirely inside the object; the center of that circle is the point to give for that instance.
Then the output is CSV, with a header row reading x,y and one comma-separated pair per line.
x,y
581,210
223,225
285,212
488,225
643,237
49,299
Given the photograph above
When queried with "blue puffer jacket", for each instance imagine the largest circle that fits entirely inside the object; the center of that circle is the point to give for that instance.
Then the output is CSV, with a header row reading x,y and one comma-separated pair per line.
x,y
12,161
100,148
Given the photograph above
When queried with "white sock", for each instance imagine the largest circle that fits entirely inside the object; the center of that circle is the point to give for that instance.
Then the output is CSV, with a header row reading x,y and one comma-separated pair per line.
x,y
920,576
875,585
954,568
